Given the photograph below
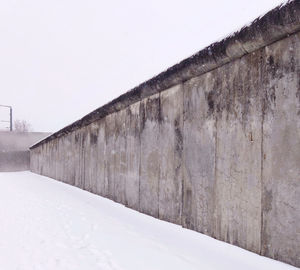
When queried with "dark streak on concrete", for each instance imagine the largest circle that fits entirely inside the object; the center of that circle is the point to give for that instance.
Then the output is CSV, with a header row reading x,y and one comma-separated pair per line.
x,y
93,138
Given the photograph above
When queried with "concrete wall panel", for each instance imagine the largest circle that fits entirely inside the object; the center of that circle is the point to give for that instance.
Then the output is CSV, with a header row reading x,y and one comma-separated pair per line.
x,y
77,156
92,164
101,184
120,157
87,158
82,138
171,149
110,154
133,156
150,155
199,156
238,153
281,152
69,162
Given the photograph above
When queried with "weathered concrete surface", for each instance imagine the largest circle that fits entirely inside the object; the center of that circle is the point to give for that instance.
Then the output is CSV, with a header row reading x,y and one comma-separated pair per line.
x,y
110,154
120,157
133,156
199,155
281,152
218,153
238,153
77,149
150,155
171,152
100,166
90,157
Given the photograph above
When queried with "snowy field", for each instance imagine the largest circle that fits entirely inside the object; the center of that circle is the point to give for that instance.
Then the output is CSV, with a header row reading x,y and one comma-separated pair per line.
x,y
46,224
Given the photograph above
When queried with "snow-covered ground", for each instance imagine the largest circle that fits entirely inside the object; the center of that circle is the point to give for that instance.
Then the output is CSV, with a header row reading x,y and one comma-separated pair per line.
x,y
45,224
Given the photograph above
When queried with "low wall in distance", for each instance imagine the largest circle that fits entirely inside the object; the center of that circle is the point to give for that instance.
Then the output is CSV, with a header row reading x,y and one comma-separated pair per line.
x,y
14,149
19,141
211,144
14,161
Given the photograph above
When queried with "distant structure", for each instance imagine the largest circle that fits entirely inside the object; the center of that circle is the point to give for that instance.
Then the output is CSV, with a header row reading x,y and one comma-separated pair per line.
x,y
10,118
14,149
212,143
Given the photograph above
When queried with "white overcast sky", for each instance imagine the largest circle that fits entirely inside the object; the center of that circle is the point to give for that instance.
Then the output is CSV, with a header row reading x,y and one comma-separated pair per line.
x,y
61,59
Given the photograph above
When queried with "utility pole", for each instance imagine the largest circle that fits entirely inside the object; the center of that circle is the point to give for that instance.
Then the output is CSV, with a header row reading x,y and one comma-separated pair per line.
x,y
10,115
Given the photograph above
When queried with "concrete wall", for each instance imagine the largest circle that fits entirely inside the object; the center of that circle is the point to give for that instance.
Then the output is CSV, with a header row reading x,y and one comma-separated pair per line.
x,y
14,149
218,153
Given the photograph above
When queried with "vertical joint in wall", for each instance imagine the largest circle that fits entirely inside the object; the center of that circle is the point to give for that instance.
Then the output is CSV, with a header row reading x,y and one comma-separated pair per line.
x,y
215,177
159,168
261,176
140,154
183,157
